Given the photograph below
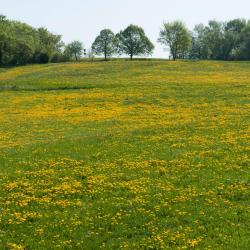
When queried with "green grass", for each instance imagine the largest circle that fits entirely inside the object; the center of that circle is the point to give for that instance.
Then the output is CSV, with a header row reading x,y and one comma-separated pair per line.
x,y
136,155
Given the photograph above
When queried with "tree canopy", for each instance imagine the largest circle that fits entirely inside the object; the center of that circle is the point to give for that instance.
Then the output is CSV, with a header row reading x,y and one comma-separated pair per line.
x,y
74,50
134,42
21,44
177,37
221,40
105,43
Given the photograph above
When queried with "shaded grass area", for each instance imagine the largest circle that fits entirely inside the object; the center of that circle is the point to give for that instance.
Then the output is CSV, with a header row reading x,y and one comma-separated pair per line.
x,y
15,88
134,155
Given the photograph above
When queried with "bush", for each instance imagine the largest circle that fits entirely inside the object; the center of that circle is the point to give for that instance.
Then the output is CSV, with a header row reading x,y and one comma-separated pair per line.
x,y
22,53
57,58
43,58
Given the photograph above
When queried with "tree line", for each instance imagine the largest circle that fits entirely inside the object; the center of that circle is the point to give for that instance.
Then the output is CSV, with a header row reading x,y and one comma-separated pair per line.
x,y
22,44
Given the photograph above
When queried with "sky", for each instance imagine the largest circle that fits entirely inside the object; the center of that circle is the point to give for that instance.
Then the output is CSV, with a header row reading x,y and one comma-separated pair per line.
x,y
84,19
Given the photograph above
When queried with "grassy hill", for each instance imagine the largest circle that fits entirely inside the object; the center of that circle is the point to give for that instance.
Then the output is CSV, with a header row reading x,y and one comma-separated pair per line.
x,y
125,155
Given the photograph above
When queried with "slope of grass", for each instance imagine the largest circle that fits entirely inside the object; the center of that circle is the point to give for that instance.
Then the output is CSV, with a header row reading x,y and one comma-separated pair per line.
x,y
125,155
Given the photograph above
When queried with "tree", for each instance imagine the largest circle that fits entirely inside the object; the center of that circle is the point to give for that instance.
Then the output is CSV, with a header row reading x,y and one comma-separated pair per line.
x,y
215,39
74,49
199,49
176,36
233,38
21,44
4,39
133,41
105,43
49,45
244,49
22,53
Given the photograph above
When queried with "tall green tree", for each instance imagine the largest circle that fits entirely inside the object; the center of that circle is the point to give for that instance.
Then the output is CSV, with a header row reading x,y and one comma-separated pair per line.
x,y
199,48
5,40
176,36
105,43
214,37
74,49
217,40
134,42
25,43
244,49
49,45
232,37
21,44
22,53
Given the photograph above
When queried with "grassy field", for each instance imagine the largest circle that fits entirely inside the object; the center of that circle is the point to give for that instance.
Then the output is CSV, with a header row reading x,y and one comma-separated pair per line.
x,y
125,155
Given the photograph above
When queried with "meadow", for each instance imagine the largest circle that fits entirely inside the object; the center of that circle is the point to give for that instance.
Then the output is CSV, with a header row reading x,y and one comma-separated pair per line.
x,y
147,154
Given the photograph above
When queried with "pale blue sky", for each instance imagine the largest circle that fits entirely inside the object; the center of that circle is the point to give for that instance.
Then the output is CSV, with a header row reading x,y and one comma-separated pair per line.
x,y
83,19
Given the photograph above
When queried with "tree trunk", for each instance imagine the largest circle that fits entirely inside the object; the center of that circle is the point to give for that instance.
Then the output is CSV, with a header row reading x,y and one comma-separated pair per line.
x,y
131,49
76,57
105,55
